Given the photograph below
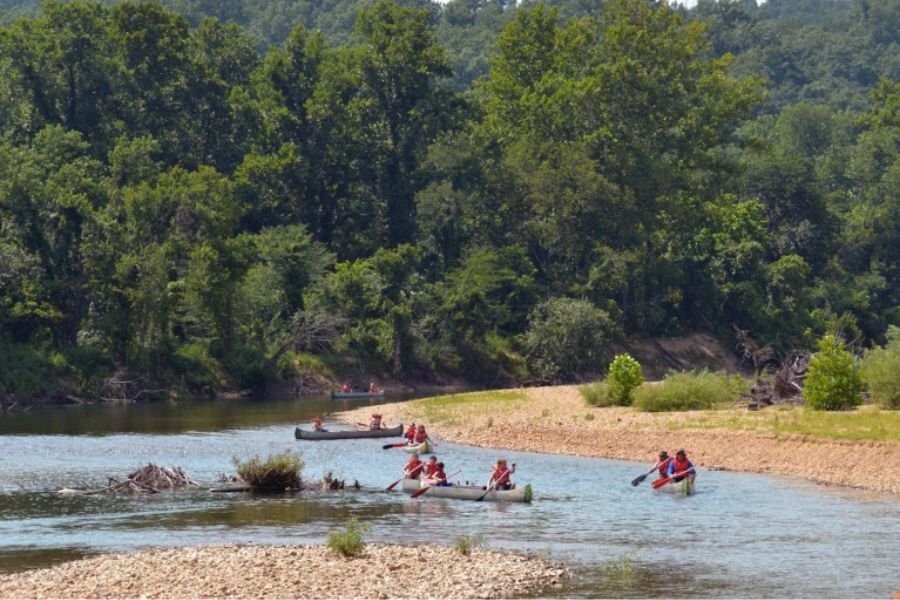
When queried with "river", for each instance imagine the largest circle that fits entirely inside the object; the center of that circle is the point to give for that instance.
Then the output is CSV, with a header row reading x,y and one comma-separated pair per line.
x,y
740,535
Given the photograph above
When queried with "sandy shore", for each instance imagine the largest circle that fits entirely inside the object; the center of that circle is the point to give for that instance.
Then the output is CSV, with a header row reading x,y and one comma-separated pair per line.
x,y
288,572
557,420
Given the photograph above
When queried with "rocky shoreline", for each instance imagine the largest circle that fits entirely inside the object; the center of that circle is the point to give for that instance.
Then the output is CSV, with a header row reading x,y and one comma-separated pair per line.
x,y
307,571
555,420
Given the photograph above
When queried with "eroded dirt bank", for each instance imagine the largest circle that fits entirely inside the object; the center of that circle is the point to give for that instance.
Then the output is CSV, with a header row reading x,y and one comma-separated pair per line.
x,y
556,420
288,572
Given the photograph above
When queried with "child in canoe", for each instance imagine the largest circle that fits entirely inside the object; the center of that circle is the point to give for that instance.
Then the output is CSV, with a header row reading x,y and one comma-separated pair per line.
x,y
500,476
681,467
431,466
413,467
375,421
439,478
421,434
317,423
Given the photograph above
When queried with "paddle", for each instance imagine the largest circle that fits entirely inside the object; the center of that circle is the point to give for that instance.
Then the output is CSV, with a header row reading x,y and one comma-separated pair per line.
x,y
389,446
412,474
492,487
637,480
661,482
418,493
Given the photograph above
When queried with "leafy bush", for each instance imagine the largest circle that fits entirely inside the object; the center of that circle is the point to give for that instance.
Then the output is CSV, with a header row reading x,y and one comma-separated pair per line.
x,y
625,375
350,542
277,473
464,544
25,373
833,381
694,390
597,394
880,369
567,336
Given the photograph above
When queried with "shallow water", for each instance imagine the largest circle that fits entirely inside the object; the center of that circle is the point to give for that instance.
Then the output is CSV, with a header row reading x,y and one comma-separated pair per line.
x,y
740,535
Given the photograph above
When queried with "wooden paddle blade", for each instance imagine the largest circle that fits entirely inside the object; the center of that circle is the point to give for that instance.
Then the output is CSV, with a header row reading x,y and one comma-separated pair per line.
x,y
638,480
389,446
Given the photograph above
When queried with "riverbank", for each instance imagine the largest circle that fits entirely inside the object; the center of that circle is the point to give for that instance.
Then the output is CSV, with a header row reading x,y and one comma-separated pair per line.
x,y
230,571
834,448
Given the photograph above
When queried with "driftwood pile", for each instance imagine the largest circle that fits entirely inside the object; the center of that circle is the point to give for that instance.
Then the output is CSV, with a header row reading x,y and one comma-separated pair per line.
x,y
149,479
784,387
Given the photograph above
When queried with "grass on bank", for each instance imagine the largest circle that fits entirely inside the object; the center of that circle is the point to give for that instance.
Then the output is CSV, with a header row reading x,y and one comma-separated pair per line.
x,y
456,409
867,423
351,541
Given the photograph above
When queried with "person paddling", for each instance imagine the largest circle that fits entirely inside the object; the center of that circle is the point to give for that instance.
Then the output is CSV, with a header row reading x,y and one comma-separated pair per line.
x,y
411,434
681,466
413,467
431,466
375,421
662,464
500,476
373,389
346,388
421,434
439,478
317,423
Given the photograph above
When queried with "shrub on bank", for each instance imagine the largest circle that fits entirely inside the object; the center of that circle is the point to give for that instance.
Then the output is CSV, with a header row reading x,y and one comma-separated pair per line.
x,y
691,390
880,369
833,381
277,473
597,394
625,375
350,542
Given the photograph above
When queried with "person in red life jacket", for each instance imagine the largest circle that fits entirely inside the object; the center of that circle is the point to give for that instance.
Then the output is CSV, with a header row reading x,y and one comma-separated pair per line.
x,y
431,466
500,476
317,424
411,434
375,422
421,435
663,464
681,466
346,387
373,389
439,478
413,467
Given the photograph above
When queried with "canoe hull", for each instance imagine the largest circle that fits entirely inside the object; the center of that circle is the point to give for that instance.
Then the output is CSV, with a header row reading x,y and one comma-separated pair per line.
x,y
339,395
685,487
470,492
423,448
302,434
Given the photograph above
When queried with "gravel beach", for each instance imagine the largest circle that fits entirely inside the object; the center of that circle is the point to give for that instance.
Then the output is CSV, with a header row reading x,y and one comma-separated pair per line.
x,y
253,571
555,420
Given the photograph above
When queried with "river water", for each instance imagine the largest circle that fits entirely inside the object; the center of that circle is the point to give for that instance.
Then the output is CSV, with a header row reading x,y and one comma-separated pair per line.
x,y
740,535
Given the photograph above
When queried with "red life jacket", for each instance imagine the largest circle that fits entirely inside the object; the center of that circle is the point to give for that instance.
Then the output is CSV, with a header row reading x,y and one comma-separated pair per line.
x,y
439,475
431,469
421,436
411,433
413,466
501,476
664,467
681,465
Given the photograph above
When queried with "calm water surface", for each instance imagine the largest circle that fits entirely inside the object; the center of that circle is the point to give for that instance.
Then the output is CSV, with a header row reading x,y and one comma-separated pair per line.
x,y
740,535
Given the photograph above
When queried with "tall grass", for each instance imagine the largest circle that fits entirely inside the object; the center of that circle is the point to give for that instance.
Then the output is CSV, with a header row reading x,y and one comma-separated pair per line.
x,y
351,541
464,544
277,473
598,394
880,368
693,390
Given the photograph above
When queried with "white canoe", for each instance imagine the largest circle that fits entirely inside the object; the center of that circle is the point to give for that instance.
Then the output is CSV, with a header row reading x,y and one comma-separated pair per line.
x,y
471,492
423,448
685,487
335,395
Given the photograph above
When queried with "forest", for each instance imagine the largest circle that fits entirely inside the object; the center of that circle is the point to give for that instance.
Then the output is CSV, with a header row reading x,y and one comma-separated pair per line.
x,y
208,195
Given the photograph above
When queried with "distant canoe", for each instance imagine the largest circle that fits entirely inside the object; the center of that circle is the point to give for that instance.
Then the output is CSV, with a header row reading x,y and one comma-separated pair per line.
x,y
302,434
338,395
685,487
470,492
423,448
